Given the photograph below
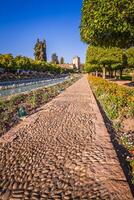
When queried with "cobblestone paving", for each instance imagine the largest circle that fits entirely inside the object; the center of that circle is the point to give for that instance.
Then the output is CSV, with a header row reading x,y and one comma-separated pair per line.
x,y
62,152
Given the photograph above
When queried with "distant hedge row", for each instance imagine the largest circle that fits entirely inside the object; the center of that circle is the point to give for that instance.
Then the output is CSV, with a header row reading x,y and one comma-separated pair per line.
x,y
10,63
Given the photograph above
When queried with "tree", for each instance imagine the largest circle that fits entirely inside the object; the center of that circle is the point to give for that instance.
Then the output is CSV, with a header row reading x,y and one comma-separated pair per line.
x,y
44,49
55,59
108,23
103,59
11,64
130,60
23,63
130,57
7,62
62,60
40,50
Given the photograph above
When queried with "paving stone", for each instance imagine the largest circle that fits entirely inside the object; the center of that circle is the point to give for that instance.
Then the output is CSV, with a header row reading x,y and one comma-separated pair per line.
x,y
6,195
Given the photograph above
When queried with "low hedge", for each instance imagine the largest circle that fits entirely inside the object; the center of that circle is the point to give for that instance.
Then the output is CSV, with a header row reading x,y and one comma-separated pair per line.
x,y
118,103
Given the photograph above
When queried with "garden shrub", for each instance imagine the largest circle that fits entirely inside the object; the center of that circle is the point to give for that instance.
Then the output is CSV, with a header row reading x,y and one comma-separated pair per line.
x,y
117,101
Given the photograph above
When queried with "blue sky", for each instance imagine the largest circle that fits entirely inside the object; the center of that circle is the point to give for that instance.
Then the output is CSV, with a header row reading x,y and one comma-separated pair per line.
x,y
23,21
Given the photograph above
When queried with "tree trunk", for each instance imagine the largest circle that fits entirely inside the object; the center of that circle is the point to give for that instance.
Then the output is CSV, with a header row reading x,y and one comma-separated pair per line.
x,y
104,72
111,74
133,76
121,70
96,73
115,73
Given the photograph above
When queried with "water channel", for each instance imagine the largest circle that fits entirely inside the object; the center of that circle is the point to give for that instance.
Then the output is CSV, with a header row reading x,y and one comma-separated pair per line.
x,y
31,86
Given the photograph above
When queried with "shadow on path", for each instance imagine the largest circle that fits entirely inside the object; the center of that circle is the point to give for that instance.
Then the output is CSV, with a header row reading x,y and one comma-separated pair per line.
x,y
121,152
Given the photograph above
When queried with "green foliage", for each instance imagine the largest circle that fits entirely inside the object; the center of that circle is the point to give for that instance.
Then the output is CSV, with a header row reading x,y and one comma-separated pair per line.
x,y
130,56
30,101
98,57
40,50
125,141
128,142
22,62
9,63
126,78
117,101
17,99
91,68
108,23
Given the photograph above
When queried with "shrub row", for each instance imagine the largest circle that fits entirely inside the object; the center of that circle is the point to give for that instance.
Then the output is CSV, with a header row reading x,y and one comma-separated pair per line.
x,y
118,103
11,64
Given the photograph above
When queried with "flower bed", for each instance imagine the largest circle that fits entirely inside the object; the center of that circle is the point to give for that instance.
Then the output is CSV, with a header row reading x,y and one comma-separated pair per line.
x,y
127,140
9,115
118,103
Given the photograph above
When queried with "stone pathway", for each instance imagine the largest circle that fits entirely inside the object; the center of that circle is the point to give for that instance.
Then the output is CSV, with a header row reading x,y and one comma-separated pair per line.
x,y
125,83
62,152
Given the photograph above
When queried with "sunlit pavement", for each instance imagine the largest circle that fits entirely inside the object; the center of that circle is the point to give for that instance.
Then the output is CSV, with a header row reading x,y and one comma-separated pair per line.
x,y
62,152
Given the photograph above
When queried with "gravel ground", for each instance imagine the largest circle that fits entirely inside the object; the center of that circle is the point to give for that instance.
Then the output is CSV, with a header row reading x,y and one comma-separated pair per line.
x,y
62,152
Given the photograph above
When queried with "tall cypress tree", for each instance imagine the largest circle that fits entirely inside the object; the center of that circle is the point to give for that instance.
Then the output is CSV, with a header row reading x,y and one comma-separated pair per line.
x,y
40,50
44,50
62,60
55,58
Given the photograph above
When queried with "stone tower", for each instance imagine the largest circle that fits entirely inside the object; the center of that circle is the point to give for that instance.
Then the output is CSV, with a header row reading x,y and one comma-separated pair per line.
x,y
76,62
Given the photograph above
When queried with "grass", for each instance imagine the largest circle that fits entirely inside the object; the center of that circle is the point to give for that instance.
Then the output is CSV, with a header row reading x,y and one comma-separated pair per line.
x,y
126,78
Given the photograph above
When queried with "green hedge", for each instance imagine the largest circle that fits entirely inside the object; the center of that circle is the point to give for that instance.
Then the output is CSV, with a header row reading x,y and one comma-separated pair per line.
x,y
11,64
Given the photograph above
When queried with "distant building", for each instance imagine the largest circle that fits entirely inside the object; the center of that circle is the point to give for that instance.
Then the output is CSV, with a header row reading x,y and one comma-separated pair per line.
x,y
76,62
74,65
67,66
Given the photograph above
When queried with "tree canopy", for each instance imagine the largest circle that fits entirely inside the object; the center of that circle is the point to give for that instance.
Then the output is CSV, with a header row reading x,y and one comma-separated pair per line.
x,y
10,63
6,61
98,57
130,56
22,62
108,23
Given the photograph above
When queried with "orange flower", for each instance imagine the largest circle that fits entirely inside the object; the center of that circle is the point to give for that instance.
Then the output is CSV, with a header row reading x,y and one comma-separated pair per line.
x,y
132,152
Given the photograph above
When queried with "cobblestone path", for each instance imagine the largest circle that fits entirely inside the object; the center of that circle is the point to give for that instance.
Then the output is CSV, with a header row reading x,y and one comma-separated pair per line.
x,y
62,152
